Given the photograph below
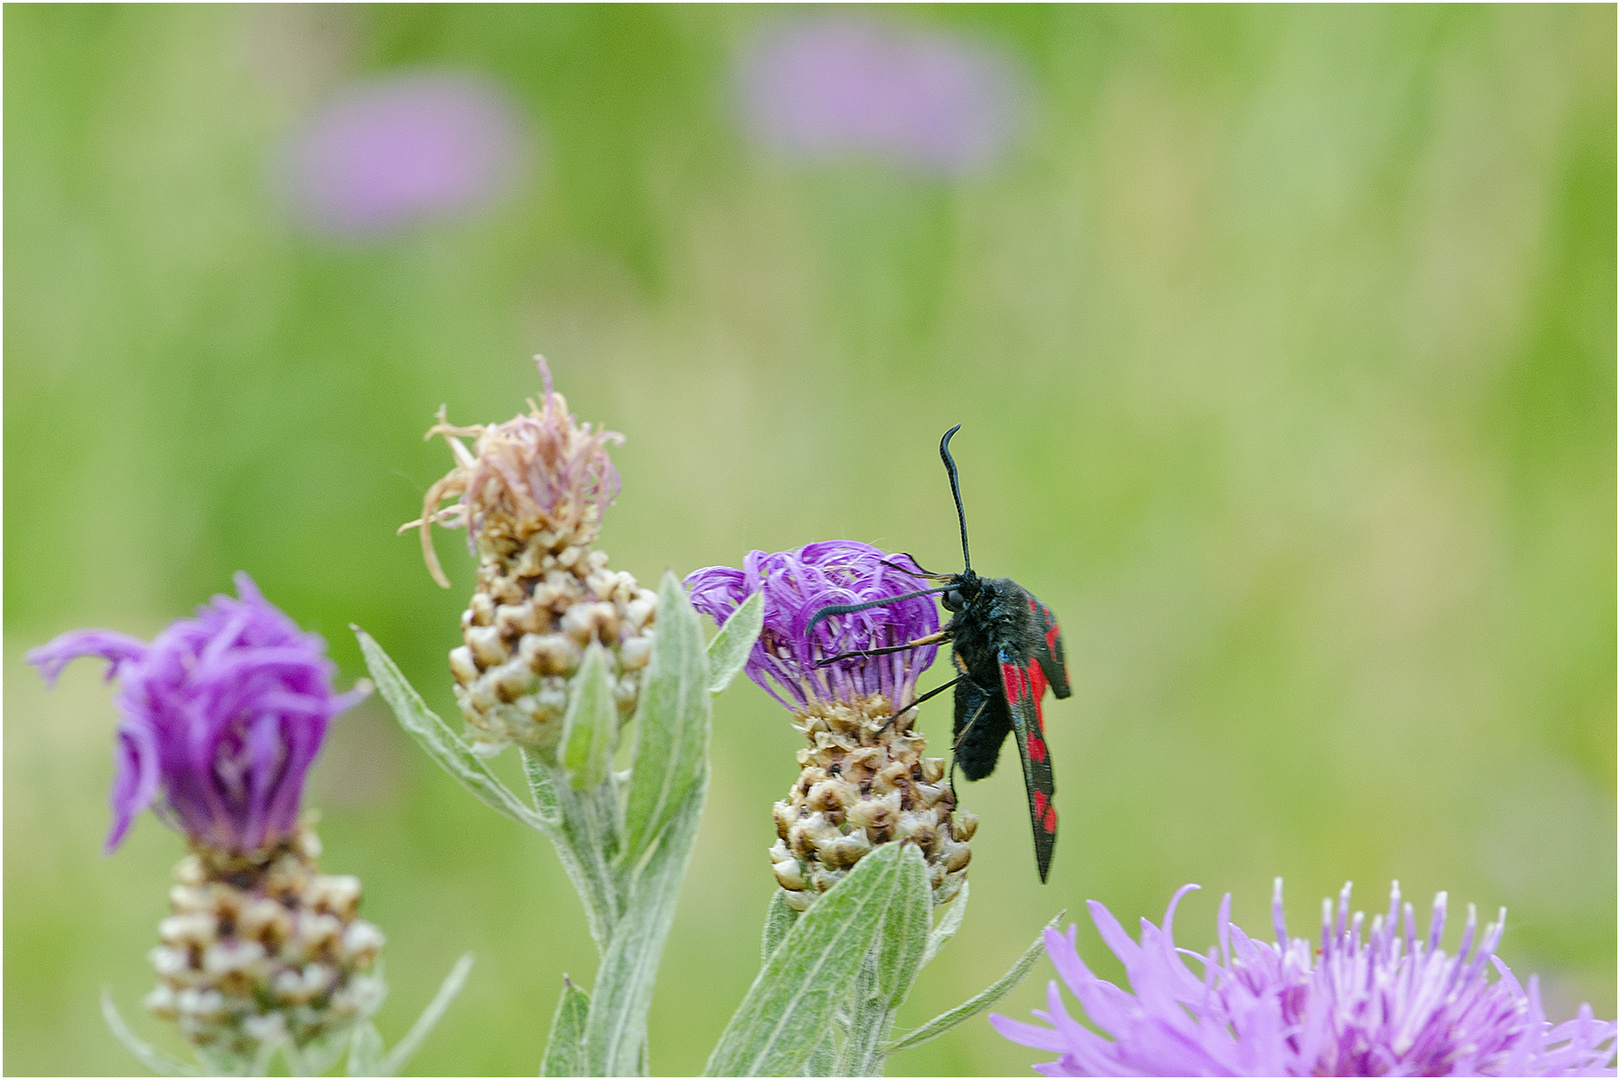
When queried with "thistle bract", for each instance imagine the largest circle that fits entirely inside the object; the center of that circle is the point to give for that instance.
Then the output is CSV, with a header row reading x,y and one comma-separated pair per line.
x,y
221,714
1359,1002
863,778
531,493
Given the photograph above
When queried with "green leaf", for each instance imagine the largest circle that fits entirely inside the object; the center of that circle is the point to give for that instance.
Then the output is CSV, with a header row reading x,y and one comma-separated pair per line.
x,y
565,1050
950,920
543,790
823,1060
148,1055
997,990
365,1051
407,1047
672,722
779,919
616,1029
591,722
904,938
869,1022
435,736
584,828
729,650
797,993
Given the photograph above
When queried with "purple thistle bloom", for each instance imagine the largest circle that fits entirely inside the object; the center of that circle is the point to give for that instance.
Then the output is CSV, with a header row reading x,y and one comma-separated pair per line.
x,y
1388,1005
832,87
401,149
798,584
224,712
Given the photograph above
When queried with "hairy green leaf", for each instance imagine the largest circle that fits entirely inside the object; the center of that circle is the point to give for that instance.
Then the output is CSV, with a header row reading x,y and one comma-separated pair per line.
x,y
672,722
140,1049
950,920
904,938
436,737
729,650
997,990
565,1050
586,836
543,790
590,723
407,1047
365,1051
616,1028
797,993
779,919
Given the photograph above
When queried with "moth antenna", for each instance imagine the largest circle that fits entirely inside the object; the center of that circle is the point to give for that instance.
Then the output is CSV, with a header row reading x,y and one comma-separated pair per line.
x,y
956,493
918,572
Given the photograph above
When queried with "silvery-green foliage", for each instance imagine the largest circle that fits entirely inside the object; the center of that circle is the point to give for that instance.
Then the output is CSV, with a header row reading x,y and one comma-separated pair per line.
x,y
624,838
832,979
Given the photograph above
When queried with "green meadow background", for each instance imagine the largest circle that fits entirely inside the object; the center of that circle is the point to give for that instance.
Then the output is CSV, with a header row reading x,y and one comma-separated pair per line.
x,y
1284,347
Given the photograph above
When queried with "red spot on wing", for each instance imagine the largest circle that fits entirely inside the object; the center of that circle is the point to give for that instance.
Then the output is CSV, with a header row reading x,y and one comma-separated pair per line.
x,y
1012,680
1037,748
1052,633
1049,819
1040,804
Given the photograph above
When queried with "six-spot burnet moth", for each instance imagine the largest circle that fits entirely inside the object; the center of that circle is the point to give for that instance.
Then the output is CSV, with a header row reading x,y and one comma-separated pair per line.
x,y
1007,649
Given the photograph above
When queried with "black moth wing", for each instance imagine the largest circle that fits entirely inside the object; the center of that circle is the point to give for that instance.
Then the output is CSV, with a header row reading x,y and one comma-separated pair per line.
x,y
1023,683
981,727
1049,647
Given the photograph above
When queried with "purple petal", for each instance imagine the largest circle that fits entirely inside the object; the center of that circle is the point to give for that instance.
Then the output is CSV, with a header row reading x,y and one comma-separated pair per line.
x,y
402,149
222,713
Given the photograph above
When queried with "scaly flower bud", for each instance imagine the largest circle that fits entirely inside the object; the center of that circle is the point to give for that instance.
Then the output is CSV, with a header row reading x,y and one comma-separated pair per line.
x,y
531,494
863,778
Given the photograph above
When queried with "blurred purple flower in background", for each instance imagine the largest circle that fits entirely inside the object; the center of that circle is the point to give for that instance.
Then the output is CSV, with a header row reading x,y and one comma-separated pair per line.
x,y
224,712
388,153
798,584
825,88
1388,1006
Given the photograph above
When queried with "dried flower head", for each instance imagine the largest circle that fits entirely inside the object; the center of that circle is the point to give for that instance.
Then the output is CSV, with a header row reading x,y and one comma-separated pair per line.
x,y
531,493
1389,1004
863,777
222,714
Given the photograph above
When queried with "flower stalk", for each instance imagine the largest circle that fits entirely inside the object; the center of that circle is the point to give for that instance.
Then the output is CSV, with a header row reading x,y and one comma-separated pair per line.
x,y
558,655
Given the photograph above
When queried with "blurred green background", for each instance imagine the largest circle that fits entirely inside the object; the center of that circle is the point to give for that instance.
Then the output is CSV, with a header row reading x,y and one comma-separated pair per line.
x,y
1284,345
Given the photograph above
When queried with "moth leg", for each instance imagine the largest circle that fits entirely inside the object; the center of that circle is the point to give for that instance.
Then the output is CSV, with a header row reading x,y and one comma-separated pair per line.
x,y
918,701
931,639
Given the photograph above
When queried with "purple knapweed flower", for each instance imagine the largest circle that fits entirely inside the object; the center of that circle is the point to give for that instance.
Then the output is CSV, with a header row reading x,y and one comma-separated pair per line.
x,y
399,150
1389,1005
863,780
224,713
825,88
797,584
